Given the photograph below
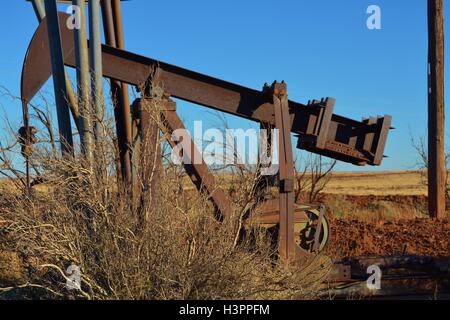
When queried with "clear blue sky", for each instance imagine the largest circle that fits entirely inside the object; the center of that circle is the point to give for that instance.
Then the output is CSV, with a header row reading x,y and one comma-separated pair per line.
x,y
320,48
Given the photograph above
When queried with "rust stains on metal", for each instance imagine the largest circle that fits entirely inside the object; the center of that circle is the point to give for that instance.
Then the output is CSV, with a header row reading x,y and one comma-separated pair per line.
x,y
345,138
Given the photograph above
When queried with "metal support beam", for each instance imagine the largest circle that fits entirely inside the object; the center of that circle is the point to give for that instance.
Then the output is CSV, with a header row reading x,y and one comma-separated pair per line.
x,y
59,81
436,111
345,140
83,84
287,247
125,100
39,10
116,93
195,166
96,68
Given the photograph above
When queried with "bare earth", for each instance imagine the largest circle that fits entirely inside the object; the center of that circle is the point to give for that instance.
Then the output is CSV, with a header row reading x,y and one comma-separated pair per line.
x,y
383,213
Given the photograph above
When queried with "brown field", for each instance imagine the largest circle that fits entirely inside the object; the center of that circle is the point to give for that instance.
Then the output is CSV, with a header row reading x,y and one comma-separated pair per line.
x,y
382,213
377,183
370,213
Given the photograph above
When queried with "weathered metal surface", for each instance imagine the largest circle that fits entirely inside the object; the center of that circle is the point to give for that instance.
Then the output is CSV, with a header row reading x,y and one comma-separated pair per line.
x,y
96,68
193,161
39,10
318,129
319,229
287,246
59,79
119,102
269,213
146,159
124,97
83,85
403,276
345,137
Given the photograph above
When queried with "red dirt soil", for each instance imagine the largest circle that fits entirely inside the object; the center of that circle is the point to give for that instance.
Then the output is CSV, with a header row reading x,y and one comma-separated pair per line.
x,y
415,236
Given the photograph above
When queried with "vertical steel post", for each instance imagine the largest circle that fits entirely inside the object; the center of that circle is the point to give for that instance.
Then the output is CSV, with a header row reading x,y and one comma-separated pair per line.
x,y
116,91
436,111
38,9
40,14
118,24
82,60
59,81
96,67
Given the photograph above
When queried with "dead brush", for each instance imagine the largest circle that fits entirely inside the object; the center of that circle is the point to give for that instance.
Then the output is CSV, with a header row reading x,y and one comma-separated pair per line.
x,y
177,251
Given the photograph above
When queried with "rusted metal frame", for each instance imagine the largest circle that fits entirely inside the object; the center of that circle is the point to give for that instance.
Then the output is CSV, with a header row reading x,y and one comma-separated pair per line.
x,y
124,96
148,138
371,136
118,30
287,247
227,97
383,126
117,96
322,124
268,212
316,245
146,160
195,167
264,181
200,174
397,267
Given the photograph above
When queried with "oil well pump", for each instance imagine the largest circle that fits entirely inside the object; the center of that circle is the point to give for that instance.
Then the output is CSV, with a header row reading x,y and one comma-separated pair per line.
x,y
301,229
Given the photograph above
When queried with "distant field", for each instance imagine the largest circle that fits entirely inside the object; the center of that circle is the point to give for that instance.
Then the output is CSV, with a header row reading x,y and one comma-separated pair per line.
x,y
377,183
359,183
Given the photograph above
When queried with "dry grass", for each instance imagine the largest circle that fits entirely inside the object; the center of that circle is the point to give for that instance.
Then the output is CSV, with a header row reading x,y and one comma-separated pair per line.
x,y
377,196
373,210
179,252
162,244
377,183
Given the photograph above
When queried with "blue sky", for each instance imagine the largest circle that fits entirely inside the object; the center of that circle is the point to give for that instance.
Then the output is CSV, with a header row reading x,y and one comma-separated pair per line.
x,y
320,48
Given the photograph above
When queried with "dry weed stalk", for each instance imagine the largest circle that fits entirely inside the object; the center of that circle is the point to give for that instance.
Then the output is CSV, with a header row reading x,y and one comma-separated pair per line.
x,y
177,251
313,177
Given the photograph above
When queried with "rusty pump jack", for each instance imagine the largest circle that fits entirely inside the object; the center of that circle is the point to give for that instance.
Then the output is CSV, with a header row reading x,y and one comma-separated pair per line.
x,y
301,229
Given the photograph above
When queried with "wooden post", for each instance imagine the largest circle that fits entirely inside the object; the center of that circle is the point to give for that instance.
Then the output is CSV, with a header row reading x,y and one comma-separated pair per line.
x,y
436,110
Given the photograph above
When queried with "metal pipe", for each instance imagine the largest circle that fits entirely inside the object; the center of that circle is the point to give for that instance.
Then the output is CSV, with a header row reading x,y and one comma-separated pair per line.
x,y
117,14
125,100
118,23
118,100
96,66
38,9
82,61
108,23
59,81
40,14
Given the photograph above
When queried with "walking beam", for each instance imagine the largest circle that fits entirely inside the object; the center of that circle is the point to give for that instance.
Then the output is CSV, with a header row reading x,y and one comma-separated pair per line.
x,y
360,143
